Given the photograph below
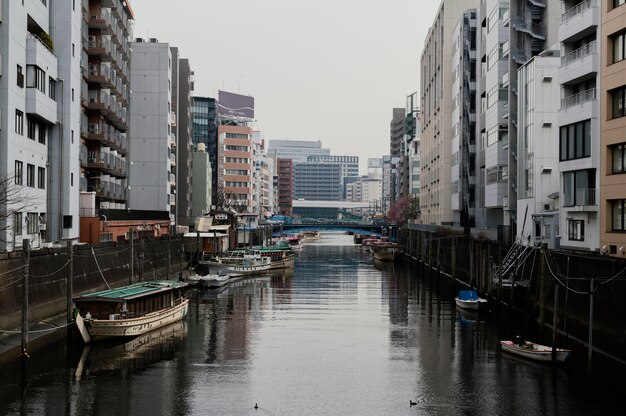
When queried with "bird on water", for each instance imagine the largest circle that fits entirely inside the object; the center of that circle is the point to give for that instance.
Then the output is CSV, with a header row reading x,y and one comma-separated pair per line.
x,y
256,406
412,403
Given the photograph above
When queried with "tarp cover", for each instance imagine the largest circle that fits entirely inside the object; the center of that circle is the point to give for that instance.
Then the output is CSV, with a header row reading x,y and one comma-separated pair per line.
x,y
468,295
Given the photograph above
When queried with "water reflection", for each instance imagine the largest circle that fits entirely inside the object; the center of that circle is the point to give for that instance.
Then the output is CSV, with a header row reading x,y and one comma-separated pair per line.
x,y
341,335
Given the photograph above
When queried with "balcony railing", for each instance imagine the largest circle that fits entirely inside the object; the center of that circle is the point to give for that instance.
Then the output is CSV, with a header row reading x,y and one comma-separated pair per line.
x,y
576,10
579,99
579,53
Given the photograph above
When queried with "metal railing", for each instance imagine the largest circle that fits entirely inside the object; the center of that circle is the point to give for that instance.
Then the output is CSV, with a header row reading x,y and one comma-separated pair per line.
x,y
579,53
576,10
579,99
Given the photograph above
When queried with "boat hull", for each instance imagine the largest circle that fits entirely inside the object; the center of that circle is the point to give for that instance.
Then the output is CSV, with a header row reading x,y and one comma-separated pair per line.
x,y
467,304
535,352
237,270
210,282
100,329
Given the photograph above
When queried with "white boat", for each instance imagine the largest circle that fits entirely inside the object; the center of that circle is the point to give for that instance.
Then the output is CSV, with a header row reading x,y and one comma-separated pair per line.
x,y
534,351
250,264
383,250
311,235
131,310
469,299
214,280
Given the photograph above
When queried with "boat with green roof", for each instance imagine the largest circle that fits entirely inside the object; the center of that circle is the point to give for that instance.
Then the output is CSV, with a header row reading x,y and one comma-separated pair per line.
x,y
130,311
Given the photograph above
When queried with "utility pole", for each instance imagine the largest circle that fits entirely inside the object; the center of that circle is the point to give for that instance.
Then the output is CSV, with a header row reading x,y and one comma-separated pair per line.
x,y
70,280
169,251
26,258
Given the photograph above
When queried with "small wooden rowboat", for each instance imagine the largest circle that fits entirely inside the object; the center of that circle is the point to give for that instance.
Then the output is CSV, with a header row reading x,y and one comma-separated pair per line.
x,y
534,351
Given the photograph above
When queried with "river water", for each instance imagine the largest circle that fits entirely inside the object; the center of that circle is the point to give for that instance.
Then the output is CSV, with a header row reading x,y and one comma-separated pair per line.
x,y
339,335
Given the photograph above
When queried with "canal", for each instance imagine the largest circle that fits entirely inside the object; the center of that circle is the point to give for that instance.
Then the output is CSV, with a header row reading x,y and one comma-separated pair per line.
x,y
339,335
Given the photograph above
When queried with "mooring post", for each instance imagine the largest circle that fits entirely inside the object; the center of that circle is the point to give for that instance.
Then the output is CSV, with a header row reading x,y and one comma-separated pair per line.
x,y
132,257
70,281
542,288
169,251
182,258
555,321
141,256
26,259
471,261
590,342
453,256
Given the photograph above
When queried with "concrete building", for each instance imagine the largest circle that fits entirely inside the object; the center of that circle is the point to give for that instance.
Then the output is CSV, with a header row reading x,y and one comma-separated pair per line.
x,y
375,168
201,183
397,130
318,181
204,114
181,136
296,150
612,125
153,168
235,174
435,75
349,166
29,111
105,96
284,172
263,178
538,149
463,121
579,124
389,185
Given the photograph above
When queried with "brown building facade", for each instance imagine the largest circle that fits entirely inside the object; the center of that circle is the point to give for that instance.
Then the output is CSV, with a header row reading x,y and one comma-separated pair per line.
x,y
284,168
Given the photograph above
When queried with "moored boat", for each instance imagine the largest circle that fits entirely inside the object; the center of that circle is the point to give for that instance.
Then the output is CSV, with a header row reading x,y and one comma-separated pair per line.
x,y
311,235
534,351
214,280
282,257
383,250
469,299
131,310
250,264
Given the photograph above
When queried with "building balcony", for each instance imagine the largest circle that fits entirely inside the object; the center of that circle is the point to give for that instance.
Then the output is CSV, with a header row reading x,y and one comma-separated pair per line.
x,y
100,20
578,64
38,53
40,105
173,118
580,20
522,24
579,99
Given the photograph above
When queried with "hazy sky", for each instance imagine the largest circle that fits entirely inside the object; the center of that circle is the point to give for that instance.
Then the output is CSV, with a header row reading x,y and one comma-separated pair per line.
x,y
325,69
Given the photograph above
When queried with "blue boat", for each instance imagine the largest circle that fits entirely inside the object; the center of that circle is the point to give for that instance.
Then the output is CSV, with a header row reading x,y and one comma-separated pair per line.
x,y
469,299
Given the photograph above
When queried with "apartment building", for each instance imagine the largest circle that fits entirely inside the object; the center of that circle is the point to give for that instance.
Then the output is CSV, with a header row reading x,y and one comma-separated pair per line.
x,y
579,123
235,174
463,121
612,127
152,175
263,178
105,96
538,147
435,81
284,173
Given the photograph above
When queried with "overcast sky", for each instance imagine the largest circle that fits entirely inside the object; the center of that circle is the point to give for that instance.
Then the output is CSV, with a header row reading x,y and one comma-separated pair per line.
x,y
326,69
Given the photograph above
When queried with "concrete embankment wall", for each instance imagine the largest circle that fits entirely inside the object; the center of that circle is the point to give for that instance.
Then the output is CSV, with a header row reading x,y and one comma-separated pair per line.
x,y
591,289
92,265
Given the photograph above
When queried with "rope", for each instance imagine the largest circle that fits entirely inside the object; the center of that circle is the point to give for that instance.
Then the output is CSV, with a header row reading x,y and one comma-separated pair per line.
x,y
53,273
12,283
561,283
38,330
11,271
99,269
103,253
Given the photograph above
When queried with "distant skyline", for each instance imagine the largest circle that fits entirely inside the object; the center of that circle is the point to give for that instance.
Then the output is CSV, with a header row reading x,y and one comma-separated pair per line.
x,y
330,70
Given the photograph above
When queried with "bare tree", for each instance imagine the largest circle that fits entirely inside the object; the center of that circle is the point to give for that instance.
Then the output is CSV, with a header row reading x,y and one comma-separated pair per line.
x,y
14,199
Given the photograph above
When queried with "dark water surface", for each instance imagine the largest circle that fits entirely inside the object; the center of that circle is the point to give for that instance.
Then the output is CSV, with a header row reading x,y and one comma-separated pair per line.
x,y
337,336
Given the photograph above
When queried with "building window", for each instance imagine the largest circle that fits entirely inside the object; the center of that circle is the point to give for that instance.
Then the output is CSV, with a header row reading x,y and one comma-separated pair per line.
x,y
72,94
17,223
20,77
617,3
579,187
617,102
72,136
35,78
73,50
575,141
576,230
19,167
30,128
30,175
52,88
19,121
618,208
32,223
618,152
42,133
71,179
41,178
67,221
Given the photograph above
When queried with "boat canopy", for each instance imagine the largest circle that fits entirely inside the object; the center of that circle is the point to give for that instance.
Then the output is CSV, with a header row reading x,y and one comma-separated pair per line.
x,y
133,291
468,295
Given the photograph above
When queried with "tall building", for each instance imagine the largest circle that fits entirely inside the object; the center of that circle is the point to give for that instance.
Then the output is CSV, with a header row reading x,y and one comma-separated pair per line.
x,y
201,184
284,172
181,135
318,181
397,130
463,120
153,168
105,96
375,168
235,175
296,150
612,127
263,177
436,103
29,112
538,149
349,166
204,115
